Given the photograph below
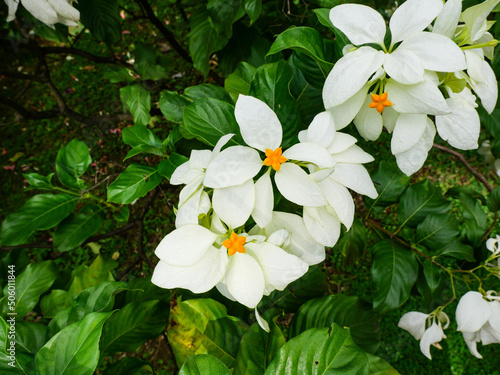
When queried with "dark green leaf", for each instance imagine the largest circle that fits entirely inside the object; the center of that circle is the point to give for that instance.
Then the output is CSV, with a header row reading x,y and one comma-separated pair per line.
x,y
53,303
30,336
102,18
493,200
135,323
76,228
209,119
129,366
150,64
458,250
394,273
239,81
142,289
253,9
202,325
352,244
172,105
122,215
71,162
116,74
430,281
38,181
271,85
207,91
14,361
390,183
168,166
324,17
135,182
380,367
436,231
318,351
346,312
142,140
475,218
138,100
74,350
419,201
222,14
202,364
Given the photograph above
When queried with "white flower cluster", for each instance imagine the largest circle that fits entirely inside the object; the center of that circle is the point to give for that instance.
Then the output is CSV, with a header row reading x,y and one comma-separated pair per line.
x,y
435,59
228,189
49,12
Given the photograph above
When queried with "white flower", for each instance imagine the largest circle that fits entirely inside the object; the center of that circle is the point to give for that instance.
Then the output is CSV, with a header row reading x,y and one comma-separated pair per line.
x,y
417,324
49,12
492,244
261,129
478,319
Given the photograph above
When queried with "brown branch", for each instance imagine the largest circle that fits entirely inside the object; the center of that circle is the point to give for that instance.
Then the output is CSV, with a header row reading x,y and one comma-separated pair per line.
x,y
457,154
166,33
17,75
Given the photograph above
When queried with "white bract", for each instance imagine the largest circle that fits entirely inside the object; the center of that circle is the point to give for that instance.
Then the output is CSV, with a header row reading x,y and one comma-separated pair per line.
x,y
478,319
49,12
425,327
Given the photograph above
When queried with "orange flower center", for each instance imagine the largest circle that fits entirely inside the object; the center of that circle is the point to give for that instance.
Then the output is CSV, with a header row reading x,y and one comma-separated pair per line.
x,y
380,102
235,244
274,158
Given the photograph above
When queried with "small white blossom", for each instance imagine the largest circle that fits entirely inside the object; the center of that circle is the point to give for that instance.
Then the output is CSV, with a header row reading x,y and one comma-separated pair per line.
x,y
49,12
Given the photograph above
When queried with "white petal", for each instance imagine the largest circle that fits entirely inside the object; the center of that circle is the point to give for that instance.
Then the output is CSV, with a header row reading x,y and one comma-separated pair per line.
x,y
234,204
65,10
42,11
473,311
495,315
353,154
461,127
475,17
414,322
199,159
259,125
279,237
436,52
319,175
471,339
483,81
262,323
489,335
185,246
447,21
264,201
301,243
233,166
220,143
344,113
179,173
413,16
404,66
350,74
245,279
198,278
323,227
12,4
355,177
222,288
297,186
190,189
489,51
368,121
390,117
321,130
432,335
280,268
310,152
361,24
189,211
341,143
340,200
423,97
412,160
407,132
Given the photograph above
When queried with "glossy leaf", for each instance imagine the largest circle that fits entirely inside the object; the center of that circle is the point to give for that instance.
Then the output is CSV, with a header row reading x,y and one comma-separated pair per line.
x,y
76,228
493,200
239,81
202,364
21,363
72,161
138,101
394,273
38,181
352,244
458,250
390,183
30,337
203,326
150,64
436,231
222,14
135,323
207,91
142,289
342,310
475,218
253,9
380,367
135,182
74,350
142,140
102,18
41,212
53,303
172,105
320,351
168,166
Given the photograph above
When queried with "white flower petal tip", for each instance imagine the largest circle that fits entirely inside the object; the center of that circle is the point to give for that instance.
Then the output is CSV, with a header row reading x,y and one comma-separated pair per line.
x,y
493,245
262,322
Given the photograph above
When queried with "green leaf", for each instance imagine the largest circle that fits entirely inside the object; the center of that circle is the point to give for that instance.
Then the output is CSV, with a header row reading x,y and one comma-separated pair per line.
x,y
142,140
352,244
129,366
207,91
203,326
116,74
419,201
35,280
475,16
74,350
135,323
38,181
209,119
390,183
394,273
305,40
476,221
436,231
430,281
222,14
72,161
203,41
258,348
239,81
150,64
172,105
324,17
342,310
253,9
458,250
168,166
30,337
313,284
493,200
53,303
203,364
41,212
122,215
135,182
138,100
19,363
380,367
102,18
318,351
76,228
142,289
271,85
